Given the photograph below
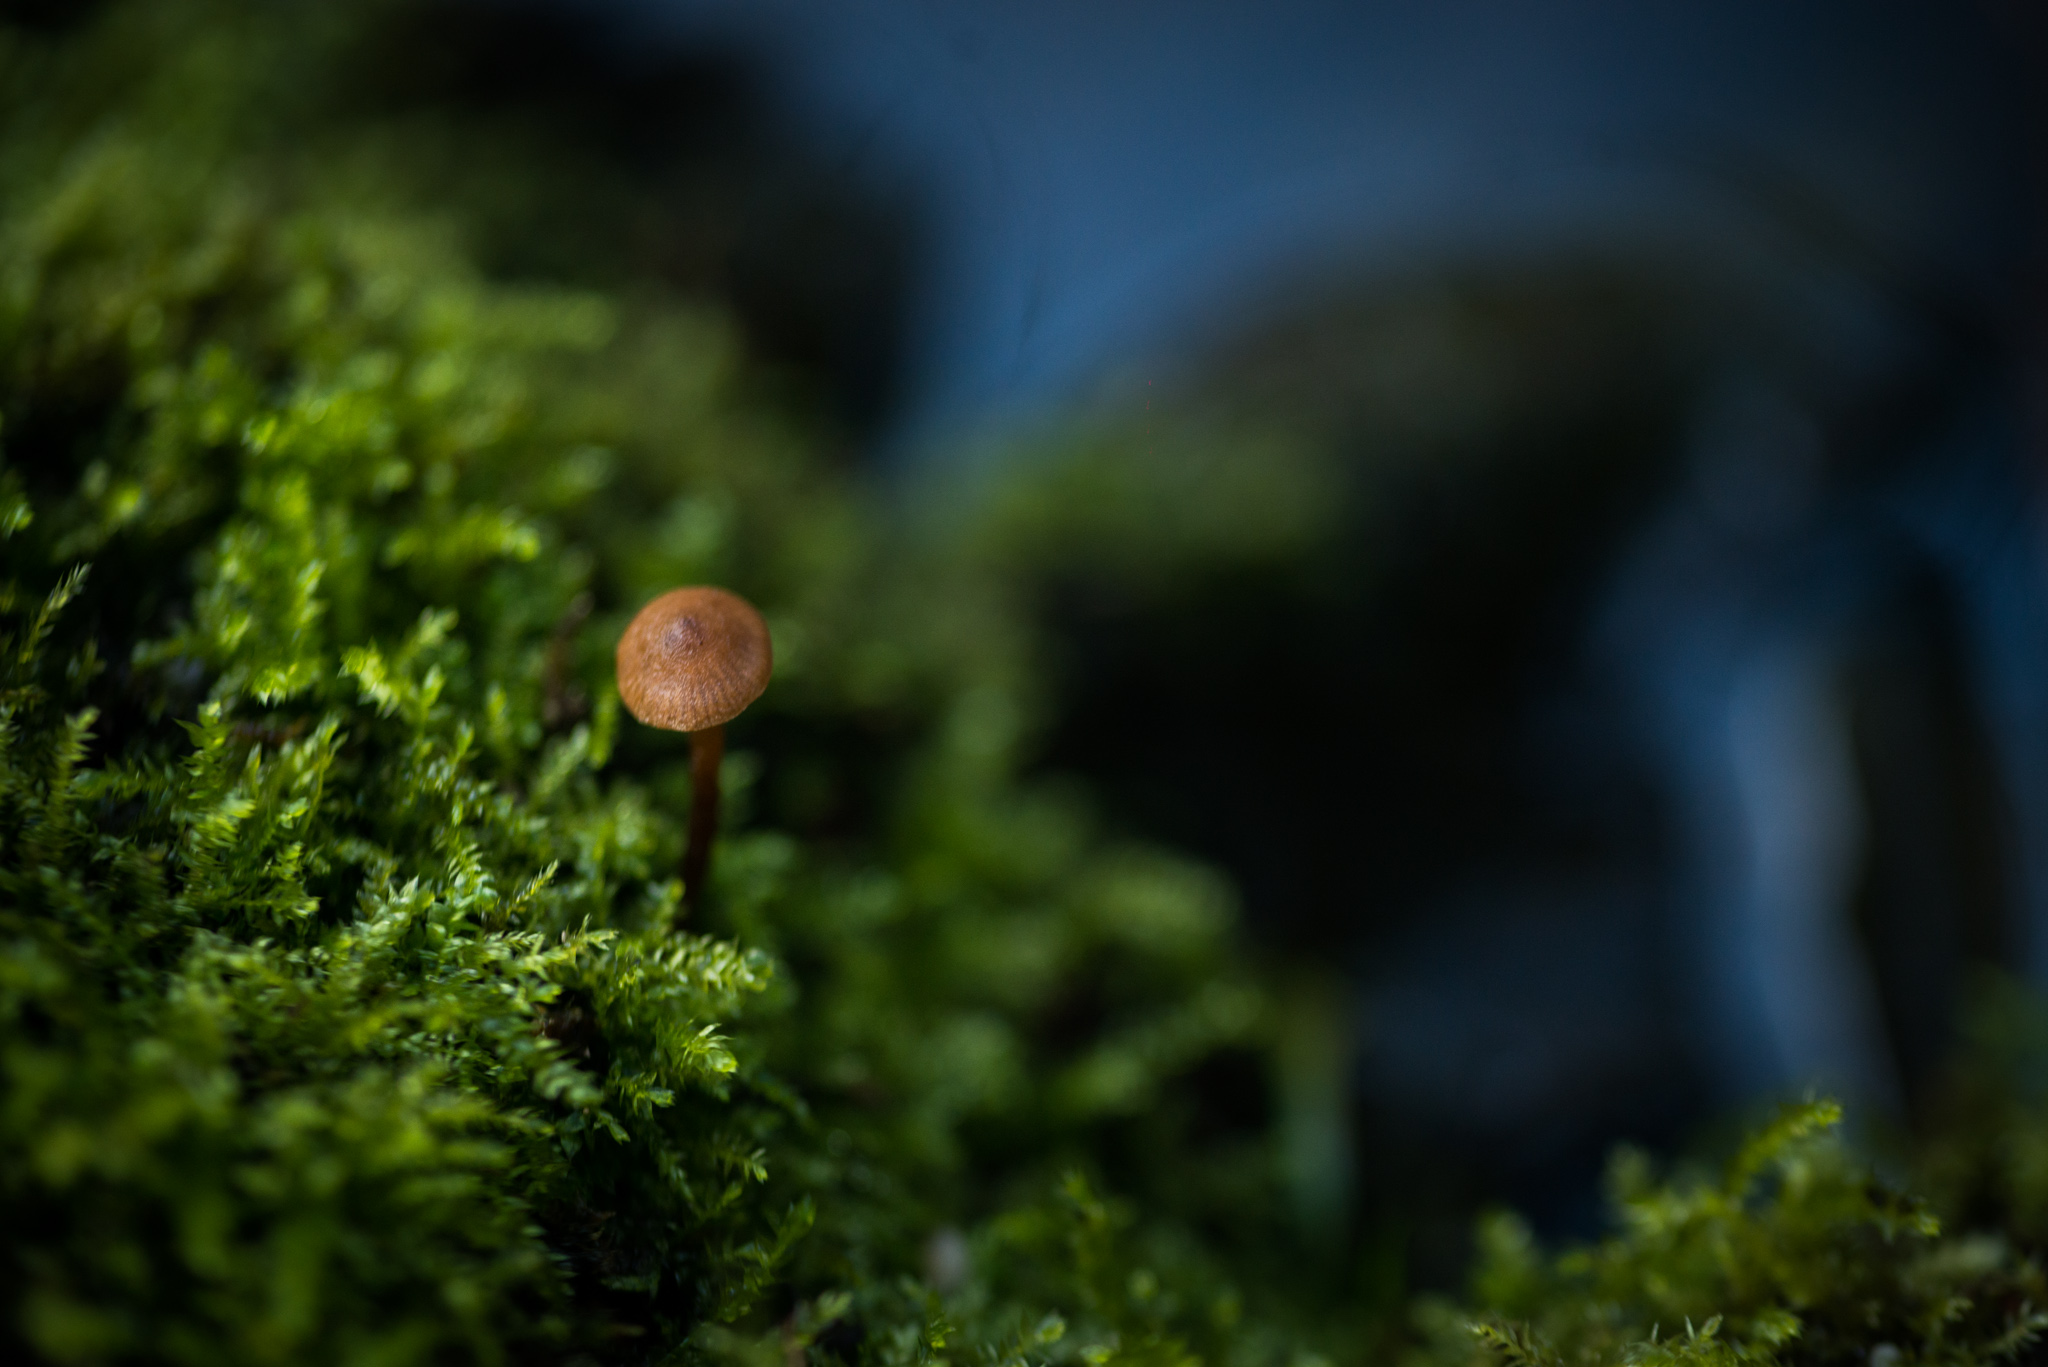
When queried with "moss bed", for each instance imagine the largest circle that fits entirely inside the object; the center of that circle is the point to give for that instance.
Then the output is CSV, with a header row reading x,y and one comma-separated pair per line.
x,y
342,1016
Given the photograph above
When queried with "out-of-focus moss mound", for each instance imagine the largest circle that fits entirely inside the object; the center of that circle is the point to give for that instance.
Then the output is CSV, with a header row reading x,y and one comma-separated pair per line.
x,y
1795,1253
341,1016
1796,1250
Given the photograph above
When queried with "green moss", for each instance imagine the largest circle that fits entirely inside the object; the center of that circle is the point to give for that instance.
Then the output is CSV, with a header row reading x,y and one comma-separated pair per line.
x,y
343,1021
340,1016
1795,1253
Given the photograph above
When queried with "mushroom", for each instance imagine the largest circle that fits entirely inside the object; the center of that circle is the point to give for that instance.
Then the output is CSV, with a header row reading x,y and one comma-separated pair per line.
x,y
691,661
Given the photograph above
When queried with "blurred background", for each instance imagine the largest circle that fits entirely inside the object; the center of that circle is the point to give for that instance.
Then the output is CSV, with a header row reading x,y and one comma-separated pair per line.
x,y
1649,715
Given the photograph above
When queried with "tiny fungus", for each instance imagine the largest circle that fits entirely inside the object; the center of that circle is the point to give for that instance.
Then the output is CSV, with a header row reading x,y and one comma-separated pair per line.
x,y
691,661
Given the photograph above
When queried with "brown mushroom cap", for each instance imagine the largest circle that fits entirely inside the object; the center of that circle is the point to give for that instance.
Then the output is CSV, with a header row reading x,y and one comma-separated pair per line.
x,y
693,658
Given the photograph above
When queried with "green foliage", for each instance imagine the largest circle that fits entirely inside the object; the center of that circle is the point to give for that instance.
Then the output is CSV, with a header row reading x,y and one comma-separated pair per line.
x,y
1795,1253
344,1019
342,1013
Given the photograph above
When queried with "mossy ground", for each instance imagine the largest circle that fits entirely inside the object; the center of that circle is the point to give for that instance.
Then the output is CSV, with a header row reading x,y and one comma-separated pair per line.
x,y
343,1016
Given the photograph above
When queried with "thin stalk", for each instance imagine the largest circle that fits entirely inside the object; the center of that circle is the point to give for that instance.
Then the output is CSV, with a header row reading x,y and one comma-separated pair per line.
x,y
707,749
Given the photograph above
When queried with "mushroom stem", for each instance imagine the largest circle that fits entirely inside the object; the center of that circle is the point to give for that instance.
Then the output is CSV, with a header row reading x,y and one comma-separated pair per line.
x,y
707,749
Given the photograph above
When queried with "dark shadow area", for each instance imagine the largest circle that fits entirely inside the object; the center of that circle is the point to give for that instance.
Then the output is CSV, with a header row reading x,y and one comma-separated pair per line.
x,y
48,16
1935,890
1365,733
587,152
1390,749
1462,751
